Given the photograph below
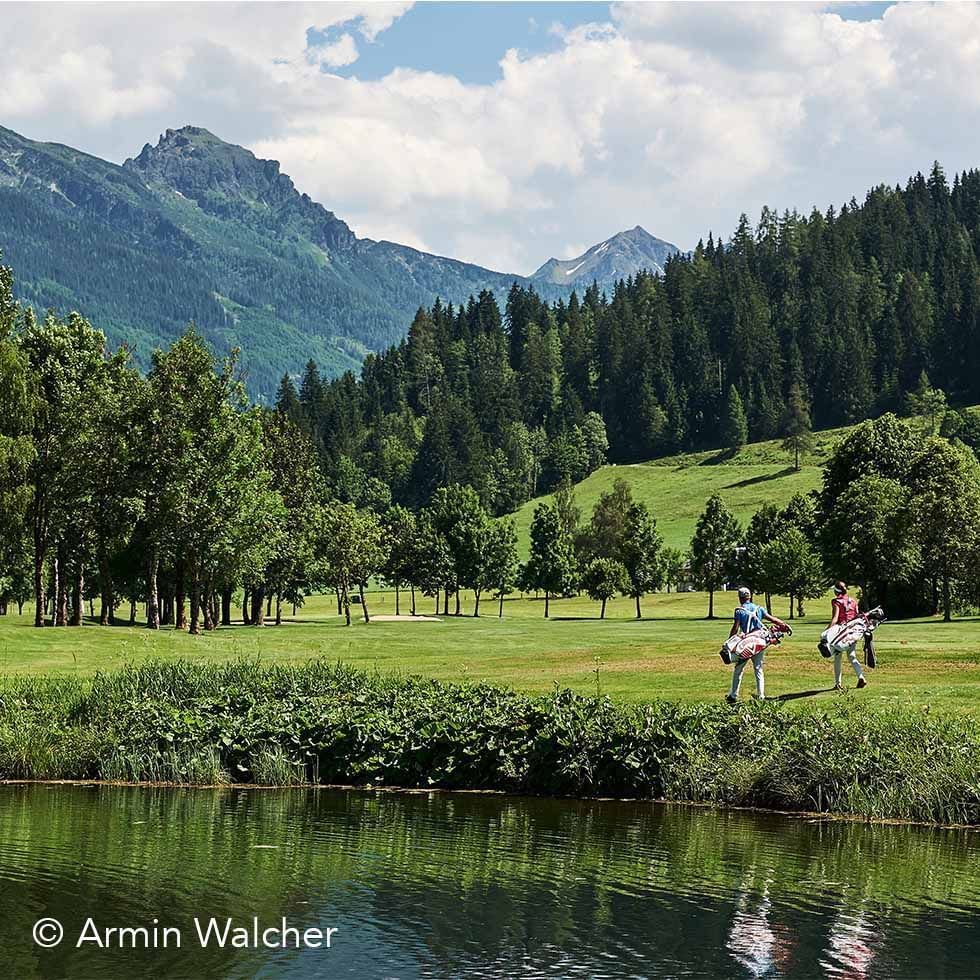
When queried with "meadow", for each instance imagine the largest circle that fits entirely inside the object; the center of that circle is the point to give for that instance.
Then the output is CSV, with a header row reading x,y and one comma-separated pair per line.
x,y
675,488
670,654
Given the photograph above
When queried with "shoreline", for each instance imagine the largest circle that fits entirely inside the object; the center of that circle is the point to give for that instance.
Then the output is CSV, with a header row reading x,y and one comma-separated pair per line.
x,y
323,725
808,816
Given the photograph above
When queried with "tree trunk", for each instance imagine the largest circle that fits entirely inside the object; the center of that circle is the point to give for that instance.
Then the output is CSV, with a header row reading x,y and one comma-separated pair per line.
x,y
345,602
152,595
258,606
210,607
340,601
195,625
268,605
602,610
500,611
413,598
245,596
132,612
639,615
457,603
77,598
60,588
180,598
107,613
947,610
364,608
711,603
278,609
476,603
39,597
226,595
547,597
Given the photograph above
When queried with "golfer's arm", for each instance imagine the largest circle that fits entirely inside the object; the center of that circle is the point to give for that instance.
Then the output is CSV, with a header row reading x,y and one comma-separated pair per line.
x,y
776,620
734,628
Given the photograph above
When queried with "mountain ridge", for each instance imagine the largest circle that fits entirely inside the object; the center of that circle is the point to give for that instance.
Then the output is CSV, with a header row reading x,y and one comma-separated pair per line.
x,y
197,229
618,257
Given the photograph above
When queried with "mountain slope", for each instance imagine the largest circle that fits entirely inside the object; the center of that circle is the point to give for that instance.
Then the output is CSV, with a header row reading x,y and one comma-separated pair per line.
x,y
618,257
676,488
198,229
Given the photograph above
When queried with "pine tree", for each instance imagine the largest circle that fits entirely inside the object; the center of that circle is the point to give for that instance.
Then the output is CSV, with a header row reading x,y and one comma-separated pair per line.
x,y
716,537
796,425
735,429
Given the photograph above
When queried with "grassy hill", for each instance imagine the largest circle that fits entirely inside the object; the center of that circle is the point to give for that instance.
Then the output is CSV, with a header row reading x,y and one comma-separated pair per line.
x,y
676,487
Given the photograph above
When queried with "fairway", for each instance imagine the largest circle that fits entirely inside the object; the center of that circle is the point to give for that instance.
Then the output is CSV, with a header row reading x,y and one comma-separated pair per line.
x,y
671,653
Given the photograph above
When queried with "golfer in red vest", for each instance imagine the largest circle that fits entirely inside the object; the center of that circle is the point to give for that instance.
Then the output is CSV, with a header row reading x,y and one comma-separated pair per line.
x,y
845,609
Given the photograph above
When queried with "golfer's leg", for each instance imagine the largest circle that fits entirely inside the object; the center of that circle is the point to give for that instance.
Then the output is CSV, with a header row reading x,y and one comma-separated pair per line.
x,y
760,680
837,654
737,677
852,656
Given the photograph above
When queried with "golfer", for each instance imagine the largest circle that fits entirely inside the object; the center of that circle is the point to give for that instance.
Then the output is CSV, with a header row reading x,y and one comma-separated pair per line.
x,y
748,617
845,609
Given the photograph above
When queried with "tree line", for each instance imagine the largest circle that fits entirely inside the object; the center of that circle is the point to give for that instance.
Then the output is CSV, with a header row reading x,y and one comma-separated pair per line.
x,y
823,319
898,516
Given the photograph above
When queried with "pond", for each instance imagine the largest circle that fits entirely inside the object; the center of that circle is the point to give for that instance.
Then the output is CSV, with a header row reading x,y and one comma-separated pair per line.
x,y
468,885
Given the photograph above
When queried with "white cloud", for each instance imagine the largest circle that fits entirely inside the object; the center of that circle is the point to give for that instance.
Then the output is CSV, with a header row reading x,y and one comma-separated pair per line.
x,y
676,116
341,52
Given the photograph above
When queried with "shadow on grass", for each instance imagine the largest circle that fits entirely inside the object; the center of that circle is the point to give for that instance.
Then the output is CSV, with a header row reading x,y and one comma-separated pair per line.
x,y
796,695
786,471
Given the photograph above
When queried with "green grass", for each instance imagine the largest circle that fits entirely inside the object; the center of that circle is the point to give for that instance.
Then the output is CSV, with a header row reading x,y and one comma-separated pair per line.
x,y
318,723
675,488
671,654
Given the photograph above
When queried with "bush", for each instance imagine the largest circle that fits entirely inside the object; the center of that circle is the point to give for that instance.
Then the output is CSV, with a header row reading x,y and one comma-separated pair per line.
x,y
321,723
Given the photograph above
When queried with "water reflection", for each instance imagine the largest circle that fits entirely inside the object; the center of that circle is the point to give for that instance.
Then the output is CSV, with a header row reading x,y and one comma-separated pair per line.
x,y
439,885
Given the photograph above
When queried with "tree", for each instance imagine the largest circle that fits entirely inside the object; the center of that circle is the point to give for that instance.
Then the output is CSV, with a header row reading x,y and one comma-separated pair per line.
x,y
640,554
797,428
352,545
735,428
400,530
295,476
927,404
67,366
750,565
946,512
716,537
551,566
569,513
867,538
500,560
458,515
17,404
431,561
673,561
602,579
793,567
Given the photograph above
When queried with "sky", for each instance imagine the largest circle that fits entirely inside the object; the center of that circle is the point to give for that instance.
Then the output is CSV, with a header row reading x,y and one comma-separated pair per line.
x,y
507,133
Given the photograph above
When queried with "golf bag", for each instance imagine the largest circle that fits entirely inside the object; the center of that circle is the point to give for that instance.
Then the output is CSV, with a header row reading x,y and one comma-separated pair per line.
x,y
838,638
742,646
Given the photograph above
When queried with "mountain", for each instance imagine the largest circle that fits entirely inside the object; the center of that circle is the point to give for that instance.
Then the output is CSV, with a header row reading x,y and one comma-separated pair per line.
x,y
198,229
618,257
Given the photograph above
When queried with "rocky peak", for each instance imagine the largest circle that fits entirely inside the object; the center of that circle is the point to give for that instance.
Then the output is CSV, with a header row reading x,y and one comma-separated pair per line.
x,y
230,181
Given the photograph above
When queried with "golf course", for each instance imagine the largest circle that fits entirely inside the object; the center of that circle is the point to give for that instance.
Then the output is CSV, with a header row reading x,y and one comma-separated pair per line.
x,y
670,654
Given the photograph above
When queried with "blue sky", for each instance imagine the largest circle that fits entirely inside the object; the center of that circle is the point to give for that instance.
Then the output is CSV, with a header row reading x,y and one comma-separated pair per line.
x,y
467,40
